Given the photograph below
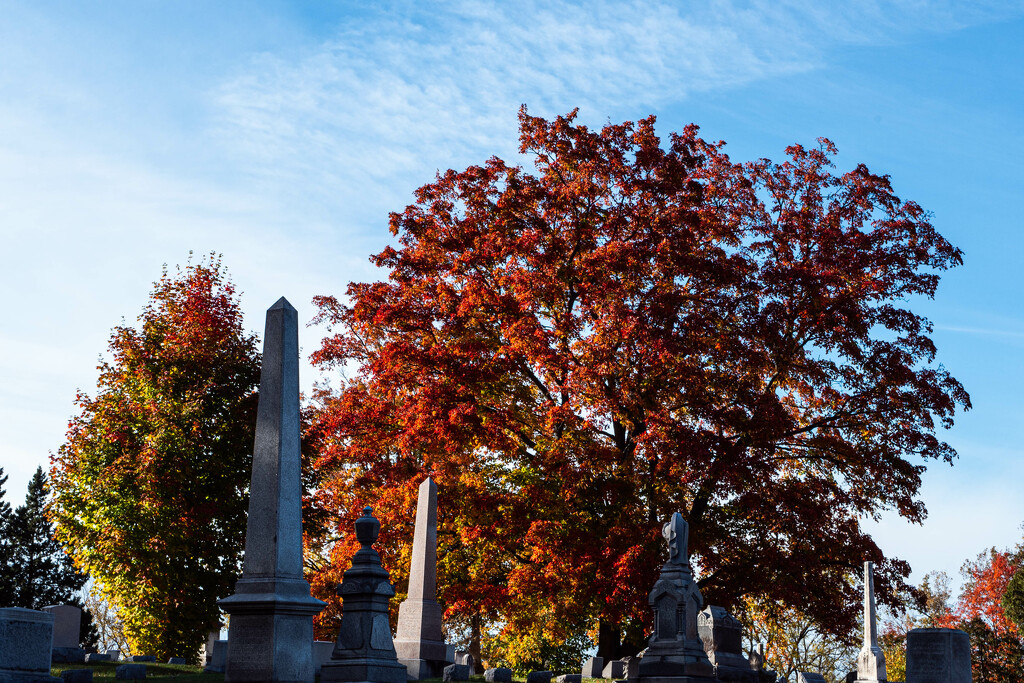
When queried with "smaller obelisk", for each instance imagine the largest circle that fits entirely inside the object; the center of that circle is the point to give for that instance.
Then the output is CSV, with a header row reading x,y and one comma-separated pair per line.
x,y
419,641
871,660
270,637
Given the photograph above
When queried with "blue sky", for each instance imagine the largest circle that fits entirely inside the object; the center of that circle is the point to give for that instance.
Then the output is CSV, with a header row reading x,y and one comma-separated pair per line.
x,y
281,133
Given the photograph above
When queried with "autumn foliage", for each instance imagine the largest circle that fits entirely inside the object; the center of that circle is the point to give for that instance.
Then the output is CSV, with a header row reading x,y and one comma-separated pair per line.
x,y
150,487
632,329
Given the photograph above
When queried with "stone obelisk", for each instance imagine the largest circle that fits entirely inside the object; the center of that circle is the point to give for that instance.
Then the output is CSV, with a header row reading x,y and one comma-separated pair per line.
x,y
871,660
270,636
419,642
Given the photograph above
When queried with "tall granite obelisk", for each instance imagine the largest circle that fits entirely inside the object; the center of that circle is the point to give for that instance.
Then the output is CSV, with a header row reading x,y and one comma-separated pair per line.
x,y
871,660
419,642
270,636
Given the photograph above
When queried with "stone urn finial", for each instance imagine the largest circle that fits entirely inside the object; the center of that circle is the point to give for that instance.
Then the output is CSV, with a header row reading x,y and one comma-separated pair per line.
x,y
367,528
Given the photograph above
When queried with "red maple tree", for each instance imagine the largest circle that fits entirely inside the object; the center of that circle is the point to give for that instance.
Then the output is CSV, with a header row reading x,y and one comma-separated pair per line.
x,y
636,329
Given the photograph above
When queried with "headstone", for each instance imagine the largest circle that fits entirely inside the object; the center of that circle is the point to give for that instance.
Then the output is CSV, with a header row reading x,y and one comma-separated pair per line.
x,y
130,672
570,678
464,658
871,660
76,676
218,658
722,636
68,655
538,677
419,641
142,658
67,625
322,650
632,665
614,669
26,642
593,668
498,675
675,649
365,651
211,638
809,677
455,672
938,655
115,655
271,626
96,657
179,661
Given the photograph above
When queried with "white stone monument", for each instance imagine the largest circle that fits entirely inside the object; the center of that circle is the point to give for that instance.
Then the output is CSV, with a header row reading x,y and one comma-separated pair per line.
x,y
419,642
270,634
871,660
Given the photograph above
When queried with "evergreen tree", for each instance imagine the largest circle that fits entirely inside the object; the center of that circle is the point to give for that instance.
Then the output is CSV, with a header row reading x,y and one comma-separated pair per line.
x,y
6,546
43,573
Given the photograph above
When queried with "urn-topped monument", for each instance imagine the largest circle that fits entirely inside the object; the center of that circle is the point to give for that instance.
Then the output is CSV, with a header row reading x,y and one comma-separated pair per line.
x,y
365,650
675,652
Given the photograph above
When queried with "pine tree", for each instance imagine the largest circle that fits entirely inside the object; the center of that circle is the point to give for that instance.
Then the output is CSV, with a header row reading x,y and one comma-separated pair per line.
x,y
43,573
6,547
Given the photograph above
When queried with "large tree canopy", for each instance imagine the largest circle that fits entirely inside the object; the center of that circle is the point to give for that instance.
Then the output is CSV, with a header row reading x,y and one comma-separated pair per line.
x,y
151,484
636,329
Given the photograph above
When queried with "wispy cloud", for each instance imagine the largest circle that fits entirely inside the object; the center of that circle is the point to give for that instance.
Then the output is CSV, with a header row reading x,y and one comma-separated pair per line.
x,y
359,117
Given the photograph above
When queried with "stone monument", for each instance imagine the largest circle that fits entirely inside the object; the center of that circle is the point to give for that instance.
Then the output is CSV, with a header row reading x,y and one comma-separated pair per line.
x,y
419,641
365,651
723,641
871,660
938,655
67,628
270,636
675,653
26,640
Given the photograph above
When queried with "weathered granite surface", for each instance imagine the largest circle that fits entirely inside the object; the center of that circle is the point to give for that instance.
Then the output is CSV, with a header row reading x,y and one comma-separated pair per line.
x,y
570,678
538,677
67,625
615,669
455,672
130,672
26,640
938,655
271,625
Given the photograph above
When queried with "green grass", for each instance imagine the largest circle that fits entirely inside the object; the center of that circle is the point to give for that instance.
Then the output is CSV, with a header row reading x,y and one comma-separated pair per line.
x,y
155,671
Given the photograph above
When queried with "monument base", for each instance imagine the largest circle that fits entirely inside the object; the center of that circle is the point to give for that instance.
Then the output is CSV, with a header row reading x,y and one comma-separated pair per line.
x,y
271,630
422,669
363,670
675,668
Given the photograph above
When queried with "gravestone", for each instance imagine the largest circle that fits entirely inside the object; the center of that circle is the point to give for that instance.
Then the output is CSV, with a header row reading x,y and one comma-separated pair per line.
x,y
271,627
26,642
675,652
142,658
76,676
67,626
593,668
570,678
455,672
130,672
809,677
218,658
322,650
178,661
365,650
498,675
211,638
114,654
96,657
419,642
538,677
722,636
614,669
871,660
938,655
